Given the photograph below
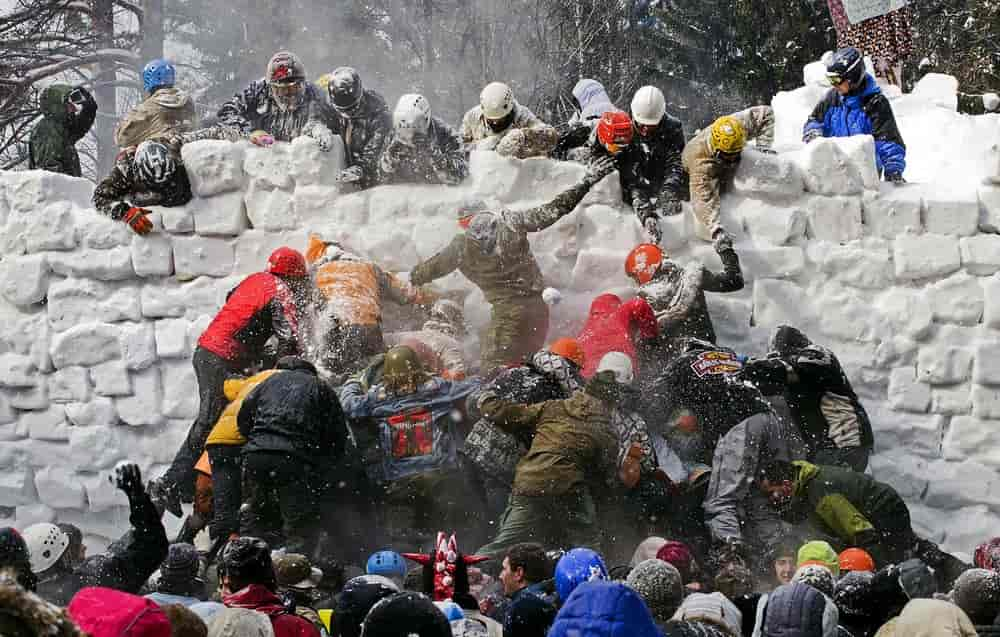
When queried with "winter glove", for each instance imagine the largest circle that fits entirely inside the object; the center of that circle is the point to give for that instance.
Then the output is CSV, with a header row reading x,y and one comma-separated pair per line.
x,y
652,227
323,138
723,242
598,169
895,178
991,102
811,135
261,138
350,175
489,143
670,207
513,144
631,466
137,220
128,478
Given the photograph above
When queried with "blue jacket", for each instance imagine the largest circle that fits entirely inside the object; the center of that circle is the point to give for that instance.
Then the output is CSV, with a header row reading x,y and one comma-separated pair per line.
x,y
862,112
604,609
415,433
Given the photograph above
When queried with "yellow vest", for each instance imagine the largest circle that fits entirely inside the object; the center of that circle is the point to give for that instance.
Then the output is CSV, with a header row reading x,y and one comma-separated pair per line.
x,y
226,431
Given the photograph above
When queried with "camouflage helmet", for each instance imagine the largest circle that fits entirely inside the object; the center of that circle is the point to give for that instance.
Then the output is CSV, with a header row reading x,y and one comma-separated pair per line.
x,y
402,370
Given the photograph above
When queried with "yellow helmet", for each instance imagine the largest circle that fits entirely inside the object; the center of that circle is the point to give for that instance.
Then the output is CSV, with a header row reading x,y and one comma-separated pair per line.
x,y
727,135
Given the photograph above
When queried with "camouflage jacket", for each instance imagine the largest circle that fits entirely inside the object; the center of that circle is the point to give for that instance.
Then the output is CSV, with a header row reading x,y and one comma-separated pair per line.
x,y
123,189
52,145
529,136
253,109
438,158
167,111
510,273
364,136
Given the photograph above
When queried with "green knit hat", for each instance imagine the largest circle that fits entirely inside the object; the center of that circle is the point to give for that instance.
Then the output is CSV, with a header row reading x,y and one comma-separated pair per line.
x,y
819,552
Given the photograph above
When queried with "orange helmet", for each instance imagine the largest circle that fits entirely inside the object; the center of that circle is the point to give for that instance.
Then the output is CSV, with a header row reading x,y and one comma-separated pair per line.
x,y
568,348
614,130
643,262
856,559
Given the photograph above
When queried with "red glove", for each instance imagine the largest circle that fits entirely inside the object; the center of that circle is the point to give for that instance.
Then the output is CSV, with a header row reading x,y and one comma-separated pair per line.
x,y
137,220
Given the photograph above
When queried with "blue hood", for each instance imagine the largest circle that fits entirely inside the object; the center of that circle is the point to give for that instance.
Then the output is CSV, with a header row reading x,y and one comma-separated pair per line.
x,y
593,99
604,609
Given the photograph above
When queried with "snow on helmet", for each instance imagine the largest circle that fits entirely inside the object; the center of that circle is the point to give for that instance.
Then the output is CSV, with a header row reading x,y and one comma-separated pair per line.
x,y
287,262
412,115
614,130
356,599
158,73
643,262
847,64
387,563
727,135
648,106
46,544
620,365
570,349
247,559
154,163
576,567
284,68
496,100
345,89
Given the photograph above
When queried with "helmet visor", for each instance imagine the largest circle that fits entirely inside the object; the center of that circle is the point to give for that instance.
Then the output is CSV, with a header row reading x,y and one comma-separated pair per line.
x,y
729,158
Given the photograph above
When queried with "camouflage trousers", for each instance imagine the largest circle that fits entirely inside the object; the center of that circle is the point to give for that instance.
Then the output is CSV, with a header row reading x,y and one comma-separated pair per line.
x,y
517,330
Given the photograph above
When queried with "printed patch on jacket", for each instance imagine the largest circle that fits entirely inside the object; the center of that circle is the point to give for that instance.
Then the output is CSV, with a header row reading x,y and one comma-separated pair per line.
x,y
412,434
716,363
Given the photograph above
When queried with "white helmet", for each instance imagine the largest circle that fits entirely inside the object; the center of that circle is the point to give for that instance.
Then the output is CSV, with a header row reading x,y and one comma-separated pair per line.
x,y
46,544
648,106
619,364
412,115
496,100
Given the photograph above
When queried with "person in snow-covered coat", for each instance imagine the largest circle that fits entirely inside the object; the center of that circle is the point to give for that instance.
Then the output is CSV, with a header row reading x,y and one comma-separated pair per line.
x,y
590,101
652,175
167,110
799,609
501,124
126,565
352,291
820,398
493,252
613,326
677,294
421,148
67,115
712,156
361,117
438,343
856,106
279,107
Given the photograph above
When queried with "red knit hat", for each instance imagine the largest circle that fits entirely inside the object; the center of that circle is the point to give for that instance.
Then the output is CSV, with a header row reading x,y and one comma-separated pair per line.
x,y
678,554
105,612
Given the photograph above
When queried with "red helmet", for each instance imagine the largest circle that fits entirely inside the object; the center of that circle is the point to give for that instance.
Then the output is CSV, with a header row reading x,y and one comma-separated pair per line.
x,y
643,262
614,130
287,262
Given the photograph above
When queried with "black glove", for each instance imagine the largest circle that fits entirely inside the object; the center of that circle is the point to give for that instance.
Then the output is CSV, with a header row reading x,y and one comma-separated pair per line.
x,y
767,151
598,169
895,178
128,478
723,242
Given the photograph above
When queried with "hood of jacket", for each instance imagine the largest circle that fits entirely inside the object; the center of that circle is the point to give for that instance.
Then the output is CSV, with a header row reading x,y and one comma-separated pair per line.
x,y
53,100
23,610
869,87
933,618
592,98
799,610
711,608
105,612
603,306
608,609
233,387
787,340
256,597
171,98
807,471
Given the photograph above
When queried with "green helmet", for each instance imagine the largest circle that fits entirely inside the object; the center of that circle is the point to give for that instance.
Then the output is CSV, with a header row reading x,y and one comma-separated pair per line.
x,y
402,369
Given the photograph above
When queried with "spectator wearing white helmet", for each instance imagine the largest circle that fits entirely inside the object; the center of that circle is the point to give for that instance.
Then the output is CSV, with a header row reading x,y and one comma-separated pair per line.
x,y
499,123
421,147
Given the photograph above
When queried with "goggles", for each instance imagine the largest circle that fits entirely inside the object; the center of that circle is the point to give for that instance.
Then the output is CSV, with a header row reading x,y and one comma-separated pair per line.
x,y
288,88
729,158
834,78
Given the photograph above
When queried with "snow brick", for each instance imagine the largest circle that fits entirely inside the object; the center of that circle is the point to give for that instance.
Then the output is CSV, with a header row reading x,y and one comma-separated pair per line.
x,y
111,379
138,344
98,412
197,256
69,384
770,177
957,299
834,218
892,211
777,302
951,212
180,391
224,215
827,169
905,393
152,255
981,253
105,265
143,406
87,344
943,365
925,256
214,166
24,280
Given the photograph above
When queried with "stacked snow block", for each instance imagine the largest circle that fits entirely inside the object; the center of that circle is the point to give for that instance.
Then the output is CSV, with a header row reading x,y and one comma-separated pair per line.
x,y
99,325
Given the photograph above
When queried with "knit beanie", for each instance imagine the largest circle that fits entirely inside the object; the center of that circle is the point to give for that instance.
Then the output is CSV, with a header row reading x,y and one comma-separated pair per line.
x,y
819,552
977,592
240,622
817,576
678,554
647,549
853,595
659,584
712,608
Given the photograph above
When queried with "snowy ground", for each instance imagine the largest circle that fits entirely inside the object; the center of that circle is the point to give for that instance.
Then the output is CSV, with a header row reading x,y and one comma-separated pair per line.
x,y
903,283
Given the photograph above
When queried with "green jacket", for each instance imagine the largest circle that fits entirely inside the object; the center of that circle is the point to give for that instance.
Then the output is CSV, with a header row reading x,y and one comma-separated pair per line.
x,y
843,501
574,445
511,272
52,145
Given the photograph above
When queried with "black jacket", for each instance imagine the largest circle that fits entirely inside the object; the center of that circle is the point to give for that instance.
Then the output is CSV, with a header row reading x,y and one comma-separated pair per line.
x,y
295,413
364,135
123,188
651,166
126,566
439,158
253,109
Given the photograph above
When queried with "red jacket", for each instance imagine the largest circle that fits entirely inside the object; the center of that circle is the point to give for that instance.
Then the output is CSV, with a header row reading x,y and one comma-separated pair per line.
x,y
261,306
612,326
259,598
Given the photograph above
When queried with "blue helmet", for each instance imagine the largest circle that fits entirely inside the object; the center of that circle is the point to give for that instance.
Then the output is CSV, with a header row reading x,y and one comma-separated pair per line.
x,y
157,74
387,564
575,568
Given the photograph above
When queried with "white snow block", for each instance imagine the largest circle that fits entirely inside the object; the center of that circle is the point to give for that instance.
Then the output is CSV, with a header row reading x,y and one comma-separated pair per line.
x,y
310,165
143,406
100,232
152,255
986,369
34,513
180,390
223,215
214,166
39,351
31,398
991,310
951,401
981,253
171,338
951,211
770,224
111,379
907,311
956,484
544,178
269,167
98,412
970,438
834,218
101,492
986,402
173,219
860,150
17,371
772,262
105,265
925,256
138,343
253,247
198,326
843,315
17,487
937,88
58,231
393,245
770,177
161,300
59,488
598,264
87,345
892,211
49,424
95,448
910,433
905,472
24,280
197,256
432,235
314,203
270,208
827,169
966,527
777,302
493,176
730,315
957,299
7,413
989,206
864,264
74,301
27,189
944,365
905,393
610,228
70,385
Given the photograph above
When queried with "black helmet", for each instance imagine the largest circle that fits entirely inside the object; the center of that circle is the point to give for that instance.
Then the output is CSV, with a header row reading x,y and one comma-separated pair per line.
x,y
356,599
247,560
406,614
345,89
847,64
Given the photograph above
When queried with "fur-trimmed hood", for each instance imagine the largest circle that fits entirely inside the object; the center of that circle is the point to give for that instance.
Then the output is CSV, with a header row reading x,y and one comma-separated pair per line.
x,y
21,609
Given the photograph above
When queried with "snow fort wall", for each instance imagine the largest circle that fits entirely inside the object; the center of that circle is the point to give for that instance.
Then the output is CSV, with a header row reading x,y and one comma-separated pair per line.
x,y
98,325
